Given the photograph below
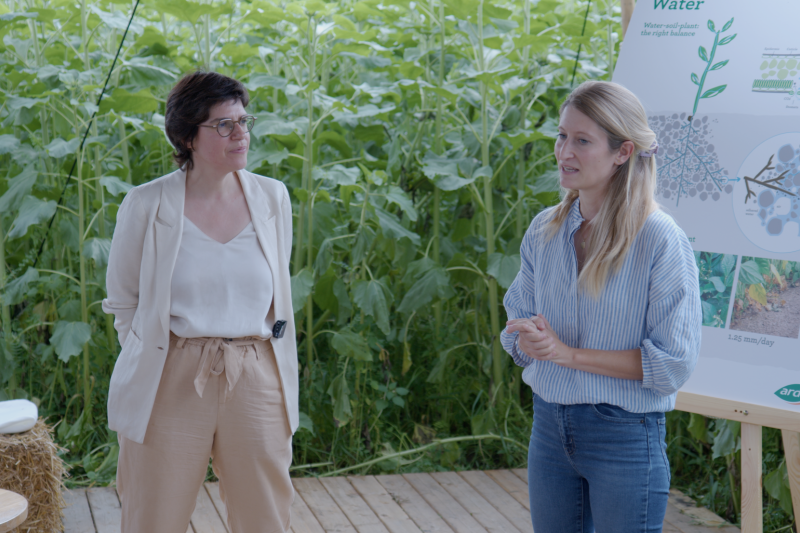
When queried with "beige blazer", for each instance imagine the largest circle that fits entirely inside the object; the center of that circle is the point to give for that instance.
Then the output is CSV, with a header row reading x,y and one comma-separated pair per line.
x,y
143,253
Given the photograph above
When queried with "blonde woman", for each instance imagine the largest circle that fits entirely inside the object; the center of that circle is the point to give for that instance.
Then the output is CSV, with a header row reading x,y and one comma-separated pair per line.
x,y
198,280
605,317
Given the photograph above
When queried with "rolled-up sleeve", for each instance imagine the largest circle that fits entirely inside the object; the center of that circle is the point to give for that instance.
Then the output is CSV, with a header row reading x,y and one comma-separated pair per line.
x,y
124,264
520,300
674,319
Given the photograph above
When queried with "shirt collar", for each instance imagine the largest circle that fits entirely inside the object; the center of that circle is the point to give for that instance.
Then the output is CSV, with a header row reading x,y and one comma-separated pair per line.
x,y
574,218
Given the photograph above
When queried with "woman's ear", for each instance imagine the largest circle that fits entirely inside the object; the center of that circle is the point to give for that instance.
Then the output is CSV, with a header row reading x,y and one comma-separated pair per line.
x,y
625,152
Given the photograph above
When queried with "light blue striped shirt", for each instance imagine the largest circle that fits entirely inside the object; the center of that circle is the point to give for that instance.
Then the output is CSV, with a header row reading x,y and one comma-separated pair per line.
x,y
652,303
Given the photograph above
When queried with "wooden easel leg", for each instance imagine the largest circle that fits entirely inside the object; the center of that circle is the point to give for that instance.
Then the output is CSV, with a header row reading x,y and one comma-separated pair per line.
x,y
791,447
752,497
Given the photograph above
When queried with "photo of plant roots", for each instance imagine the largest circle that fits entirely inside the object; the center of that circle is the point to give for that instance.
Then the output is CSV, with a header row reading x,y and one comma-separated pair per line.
x,y
768,297
716,272
416,141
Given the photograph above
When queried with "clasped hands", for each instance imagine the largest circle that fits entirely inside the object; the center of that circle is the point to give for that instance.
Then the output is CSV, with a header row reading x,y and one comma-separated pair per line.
x,y
538,341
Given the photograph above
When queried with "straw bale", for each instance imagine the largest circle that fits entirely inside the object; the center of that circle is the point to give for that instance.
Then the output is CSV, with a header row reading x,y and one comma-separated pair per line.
x,y
30,465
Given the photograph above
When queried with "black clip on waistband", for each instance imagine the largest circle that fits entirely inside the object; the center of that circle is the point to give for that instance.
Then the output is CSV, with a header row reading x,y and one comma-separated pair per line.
x,y
279,329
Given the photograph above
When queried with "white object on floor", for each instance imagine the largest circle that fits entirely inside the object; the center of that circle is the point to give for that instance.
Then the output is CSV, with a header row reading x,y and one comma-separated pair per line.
x,y
17,416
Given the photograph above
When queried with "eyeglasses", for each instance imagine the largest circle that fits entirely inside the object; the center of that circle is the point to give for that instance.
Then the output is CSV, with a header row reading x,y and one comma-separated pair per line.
x,y
226,126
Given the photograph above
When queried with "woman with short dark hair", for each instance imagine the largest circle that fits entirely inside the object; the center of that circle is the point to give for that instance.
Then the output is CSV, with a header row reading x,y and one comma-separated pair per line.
x,y
198,280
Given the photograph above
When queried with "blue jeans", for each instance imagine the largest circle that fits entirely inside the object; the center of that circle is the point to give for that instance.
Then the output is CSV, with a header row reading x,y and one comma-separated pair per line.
x,y
597,467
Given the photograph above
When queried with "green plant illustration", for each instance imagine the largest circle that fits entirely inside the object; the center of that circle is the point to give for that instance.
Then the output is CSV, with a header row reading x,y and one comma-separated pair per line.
x,y
710,65
716,283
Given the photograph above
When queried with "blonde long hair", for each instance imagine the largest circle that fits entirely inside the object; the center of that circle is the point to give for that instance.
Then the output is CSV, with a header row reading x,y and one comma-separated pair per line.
x,y
630,197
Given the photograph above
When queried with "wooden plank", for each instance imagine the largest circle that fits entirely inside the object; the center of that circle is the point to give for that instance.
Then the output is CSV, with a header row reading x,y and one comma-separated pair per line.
x,y
303,520
475,504
752,491
414,505
106,510
747,413
352,505
13,509
791,447
205,518
322,505
500,499
216,499
521,473
512,485
683,515
382,504
77,515
448,508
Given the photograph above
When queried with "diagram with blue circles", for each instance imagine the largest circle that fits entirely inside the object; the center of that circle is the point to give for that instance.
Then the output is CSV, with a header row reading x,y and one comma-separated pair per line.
x,y
766,198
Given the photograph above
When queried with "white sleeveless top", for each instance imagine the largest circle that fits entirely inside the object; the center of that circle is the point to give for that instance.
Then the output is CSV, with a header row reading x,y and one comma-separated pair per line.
x,y
220,290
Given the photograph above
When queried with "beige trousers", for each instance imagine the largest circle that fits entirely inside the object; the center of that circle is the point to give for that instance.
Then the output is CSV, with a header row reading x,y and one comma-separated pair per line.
x,y
220,399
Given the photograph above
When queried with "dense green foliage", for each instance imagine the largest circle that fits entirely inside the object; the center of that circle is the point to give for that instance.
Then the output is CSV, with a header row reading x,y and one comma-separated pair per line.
x,y
716,282
416,139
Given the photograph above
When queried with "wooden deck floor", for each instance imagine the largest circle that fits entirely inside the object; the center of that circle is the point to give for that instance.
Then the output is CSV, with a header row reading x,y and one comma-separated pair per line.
x,y
443,502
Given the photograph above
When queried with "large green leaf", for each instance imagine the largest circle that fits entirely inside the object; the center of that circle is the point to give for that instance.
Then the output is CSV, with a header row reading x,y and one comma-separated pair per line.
x,y
31,211
727,263
18,187
306,423
122,101
60,147
115,186
339,392
69,337
373,297
400,197
718,283
504,268
709,311
272,124
338,175
433,285
444,172
97,249
391,227
726,440
302,284
8,143
697,427
750,274
16,290
348,343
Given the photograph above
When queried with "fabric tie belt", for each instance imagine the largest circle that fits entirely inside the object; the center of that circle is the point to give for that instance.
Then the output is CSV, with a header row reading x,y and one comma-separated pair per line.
x,y
220,355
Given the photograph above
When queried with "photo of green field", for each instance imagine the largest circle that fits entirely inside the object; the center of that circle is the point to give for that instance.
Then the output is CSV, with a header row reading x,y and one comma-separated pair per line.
x,y
715,274
768,297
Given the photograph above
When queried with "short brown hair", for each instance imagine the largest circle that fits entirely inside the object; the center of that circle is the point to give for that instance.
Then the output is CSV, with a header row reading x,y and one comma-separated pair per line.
x,y
189,104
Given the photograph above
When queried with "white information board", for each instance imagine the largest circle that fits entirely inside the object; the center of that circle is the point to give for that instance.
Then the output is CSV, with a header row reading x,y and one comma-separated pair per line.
x,y
720,80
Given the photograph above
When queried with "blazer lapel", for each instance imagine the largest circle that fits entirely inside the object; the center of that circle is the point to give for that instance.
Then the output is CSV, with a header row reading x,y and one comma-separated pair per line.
x,y
263,217
168,228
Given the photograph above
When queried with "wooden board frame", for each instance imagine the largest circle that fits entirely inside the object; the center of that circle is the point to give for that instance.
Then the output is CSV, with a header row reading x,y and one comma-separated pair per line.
x,y
753,417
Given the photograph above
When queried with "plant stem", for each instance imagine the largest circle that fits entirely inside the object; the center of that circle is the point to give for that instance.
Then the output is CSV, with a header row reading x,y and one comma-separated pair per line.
x,y
705,73
125,154
497,358
438,149
308,166
6,313
436,442
276,70
87,400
